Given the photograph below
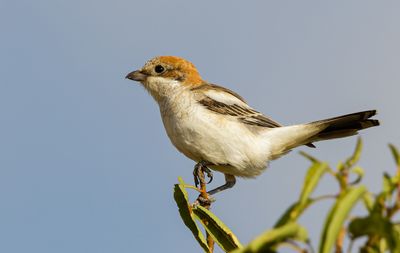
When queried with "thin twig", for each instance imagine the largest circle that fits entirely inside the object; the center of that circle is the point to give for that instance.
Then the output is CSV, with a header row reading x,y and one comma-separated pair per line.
x,y
340,240
192,187
323,197
294,246
398,189
207,205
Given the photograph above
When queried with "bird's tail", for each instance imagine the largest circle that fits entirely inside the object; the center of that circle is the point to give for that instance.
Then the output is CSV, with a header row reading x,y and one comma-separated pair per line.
x,y
338,127
345,125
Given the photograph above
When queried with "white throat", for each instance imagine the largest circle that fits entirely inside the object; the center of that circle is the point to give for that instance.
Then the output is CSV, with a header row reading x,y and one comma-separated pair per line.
x,y
162,88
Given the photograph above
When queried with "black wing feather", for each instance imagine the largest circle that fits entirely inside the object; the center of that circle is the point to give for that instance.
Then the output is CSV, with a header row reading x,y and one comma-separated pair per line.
x,y
244,114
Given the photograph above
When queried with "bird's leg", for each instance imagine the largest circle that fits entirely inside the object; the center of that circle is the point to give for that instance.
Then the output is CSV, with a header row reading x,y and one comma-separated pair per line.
x,y
204,199
230,181
199,169
199,179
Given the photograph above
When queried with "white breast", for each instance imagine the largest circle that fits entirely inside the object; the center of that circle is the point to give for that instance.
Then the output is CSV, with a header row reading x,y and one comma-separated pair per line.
x,y
201,134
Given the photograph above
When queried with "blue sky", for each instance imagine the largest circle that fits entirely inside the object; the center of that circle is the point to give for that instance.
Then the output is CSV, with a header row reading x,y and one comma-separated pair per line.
x,y
85,164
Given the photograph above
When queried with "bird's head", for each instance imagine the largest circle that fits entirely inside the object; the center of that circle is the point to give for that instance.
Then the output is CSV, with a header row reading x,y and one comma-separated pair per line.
x,y
162,75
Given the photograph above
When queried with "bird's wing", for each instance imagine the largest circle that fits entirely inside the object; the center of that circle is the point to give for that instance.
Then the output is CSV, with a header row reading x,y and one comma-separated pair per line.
x,y
226,102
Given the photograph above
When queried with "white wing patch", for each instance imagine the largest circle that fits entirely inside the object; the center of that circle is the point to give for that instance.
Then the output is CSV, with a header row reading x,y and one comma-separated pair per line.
x,y
224,97
226,102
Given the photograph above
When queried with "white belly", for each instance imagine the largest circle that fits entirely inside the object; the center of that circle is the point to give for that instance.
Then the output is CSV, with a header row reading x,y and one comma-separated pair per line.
x,y
202,135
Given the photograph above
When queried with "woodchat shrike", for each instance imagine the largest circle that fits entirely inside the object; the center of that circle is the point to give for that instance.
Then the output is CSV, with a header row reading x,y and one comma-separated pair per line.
x,y
217,129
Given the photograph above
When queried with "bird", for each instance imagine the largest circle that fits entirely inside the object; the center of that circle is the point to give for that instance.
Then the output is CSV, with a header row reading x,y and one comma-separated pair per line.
x,y
217,129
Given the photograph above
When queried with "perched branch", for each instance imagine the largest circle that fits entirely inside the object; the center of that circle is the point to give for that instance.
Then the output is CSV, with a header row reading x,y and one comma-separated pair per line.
x,y
206,203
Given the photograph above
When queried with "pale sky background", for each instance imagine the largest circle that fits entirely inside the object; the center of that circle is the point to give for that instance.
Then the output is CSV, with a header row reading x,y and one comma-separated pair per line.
x,y
85,164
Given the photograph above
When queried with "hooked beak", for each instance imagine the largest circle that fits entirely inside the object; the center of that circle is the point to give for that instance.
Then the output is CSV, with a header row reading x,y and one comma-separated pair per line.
x,y
136,76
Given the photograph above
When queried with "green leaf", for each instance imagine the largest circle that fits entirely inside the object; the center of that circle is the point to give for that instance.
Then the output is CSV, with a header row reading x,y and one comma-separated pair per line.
x,y
368,201
371,225
182,200
221,234
181,182
394,238
269,240
376,225
352,160
309,157
388,186
360,174
314,174
379,203
287,216
337,216
395,153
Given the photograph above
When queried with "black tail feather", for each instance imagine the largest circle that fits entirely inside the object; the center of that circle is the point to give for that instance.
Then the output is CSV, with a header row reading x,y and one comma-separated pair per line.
x,y
354,121
346,125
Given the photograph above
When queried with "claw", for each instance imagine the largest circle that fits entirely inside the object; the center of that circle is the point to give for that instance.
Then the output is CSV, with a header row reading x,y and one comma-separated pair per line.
x,y
201,167
196,171
209,174
196,181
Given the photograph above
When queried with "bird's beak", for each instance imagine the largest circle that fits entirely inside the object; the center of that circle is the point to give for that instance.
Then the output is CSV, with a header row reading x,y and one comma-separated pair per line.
x,y
136,75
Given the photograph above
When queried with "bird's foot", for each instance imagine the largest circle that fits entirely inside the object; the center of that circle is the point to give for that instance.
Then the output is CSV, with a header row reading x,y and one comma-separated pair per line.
x,y
202,201
198,173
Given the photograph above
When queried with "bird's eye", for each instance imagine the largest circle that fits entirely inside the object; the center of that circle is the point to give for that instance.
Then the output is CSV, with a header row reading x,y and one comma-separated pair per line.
x,y
159,69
